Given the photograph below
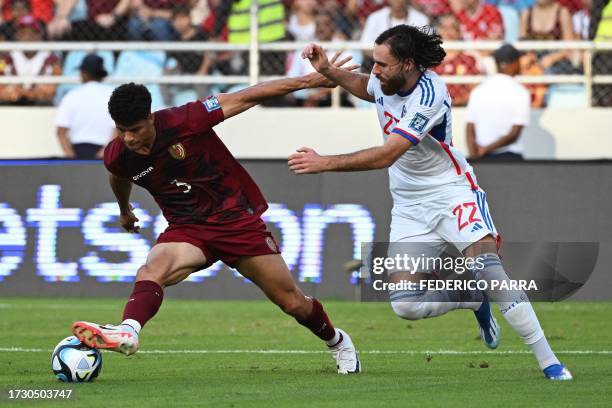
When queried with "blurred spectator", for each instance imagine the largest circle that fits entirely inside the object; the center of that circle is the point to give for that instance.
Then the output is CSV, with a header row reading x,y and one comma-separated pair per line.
x,y
42,10
347,25
531,67
510,11
325,31
396,13
572,5
601,30
18,9
151,19
518,5
28,64
302,20
548,21
106,21
498,110
271,21
581,20
186,62
433,8
84,126
480,21
358,11
455,62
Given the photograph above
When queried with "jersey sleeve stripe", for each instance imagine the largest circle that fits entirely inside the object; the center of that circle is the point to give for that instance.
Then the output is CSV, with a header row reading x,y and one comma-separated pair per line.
x,y
422,93
433,91
414,139
427,86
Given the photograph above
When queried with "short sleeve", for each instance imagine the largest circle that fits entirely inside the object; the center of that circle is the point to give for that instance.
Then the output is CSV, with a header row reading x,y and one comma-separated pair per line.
x,y
194,117
420,119
370,87
204,115
471,108
63,118
112,152
523,106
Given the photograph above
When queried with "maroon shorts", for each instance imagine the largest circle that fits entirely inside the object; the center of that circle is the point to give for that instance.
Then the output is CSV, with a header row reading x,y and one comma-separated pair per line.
x,y
226,242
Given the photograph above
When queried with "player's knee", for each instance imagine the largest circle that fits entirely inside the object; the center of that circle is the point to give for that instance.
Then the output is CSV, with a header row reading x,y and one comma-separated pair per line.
x,y
294,305
409,310
146,272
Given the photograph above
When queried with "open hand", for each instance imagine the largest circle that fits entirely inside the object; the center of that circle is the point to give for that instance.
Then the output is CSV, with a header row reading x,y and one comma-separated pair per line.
x,y
320,81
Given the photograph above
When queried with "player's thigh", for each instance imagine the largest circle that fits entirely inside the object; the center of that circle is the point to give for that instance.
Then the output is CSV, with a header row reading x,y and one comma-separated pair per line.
x,y
271,274
170,262
468,221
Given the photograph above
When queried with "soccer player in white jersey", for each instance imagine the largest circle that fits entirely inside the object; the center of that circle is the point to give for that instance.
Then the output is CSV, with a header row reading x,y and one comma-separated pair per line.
x,y
436,198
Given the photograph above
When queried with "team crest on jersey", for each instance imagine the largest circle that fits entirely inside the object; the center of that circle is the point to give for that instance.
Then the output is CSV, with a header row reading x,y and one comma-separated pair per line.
x,y
418,122
177,151
271,244
211,103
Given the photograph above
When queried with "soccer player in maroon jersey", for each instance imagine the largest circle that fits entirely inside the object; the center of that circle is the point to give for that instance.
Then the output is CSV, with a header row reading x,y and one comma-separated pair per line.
x,y
212,205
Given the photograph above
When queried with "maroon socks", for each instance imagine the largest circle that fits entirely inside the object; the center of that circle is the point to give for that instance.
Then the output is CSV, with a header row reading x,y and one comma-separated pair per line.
x,y
144,302
318,322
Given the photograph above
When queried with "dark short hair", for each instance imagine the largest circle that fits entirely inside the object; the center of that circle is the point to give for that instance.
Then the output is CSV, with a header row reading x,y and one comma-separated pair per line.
x,y
129,104
422,45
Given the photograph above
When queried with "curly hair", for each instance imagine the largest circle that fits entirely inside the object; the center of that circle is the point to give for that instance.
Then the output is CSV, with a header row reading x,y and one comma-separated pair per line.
x,y
129,104
422,44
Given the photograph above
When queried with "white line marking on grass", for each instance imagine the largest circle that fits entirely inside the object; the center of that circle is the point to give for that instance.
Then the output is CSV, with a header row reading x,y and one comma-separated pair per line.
x,y
392,352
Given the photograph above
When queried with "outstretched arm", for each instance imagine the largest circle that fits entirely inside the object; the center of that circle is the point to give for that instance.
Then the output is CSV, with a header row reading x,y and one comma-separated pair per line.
x,y
354,82
237,102
306,160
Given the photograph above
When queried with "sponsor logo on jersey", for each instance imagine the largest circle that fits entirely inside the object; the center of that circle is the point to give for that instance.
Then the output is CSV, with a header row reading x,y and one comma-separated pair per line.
x,y
418,122
271,244
403,111
380,101
211,104
143,173
177,151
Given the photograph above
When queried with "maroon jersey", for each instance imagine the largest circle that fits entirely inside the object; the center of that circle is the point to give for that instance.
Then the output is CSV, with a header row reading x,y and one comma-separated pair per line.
x,y
190,173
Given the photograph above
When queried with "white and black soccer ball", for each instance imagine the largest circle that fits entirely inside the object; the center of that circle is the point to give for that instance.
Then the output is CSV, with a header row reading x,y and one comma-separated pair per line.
x,y
73,361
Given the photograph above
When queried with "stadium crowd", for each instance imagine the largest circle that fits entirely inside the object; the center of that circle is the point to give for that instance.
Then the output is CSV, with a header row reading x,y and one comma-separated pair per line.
x,y
290,20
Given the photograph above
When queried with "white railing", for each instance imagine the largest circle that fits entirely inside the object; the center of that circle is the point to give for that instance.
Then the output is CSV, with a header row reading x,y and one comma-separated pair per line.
x,y
588,49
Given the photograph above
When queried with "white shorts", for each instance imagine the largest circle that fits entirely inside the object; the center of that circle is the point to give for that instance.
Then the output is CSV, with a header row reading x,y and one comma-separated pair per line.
x,y
457,215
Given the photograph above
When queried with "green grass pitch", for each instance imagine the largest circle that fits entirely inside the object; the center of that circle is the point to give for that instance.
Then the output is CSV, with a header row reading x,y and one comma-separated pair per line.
x,y
196,353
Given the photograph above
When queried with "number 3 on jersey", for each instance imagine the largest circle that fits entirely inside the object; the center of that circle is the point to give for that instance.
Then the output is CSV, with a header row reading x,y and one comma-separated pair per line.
x,y
467,217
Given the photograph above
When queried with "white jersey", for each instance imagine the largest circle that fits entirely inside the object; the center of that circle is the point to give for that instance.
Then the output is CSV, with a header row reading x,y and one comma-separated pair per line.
x,y
423,116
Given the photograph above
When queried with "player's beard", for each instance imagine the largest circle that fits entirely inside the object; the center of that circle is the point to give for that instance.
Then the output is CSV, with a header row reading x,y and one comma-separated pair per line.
x,y
393,84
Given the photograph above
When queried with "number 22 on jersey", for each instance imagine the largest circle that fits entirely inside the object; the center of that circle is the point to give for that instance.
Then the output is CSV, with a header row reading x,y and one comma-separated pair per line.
x,y
467,217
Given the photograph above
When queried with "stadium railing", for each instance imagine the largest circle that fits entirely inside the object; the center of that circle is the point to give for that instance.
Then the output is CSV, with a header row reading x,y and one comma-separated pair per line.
x,y
585,50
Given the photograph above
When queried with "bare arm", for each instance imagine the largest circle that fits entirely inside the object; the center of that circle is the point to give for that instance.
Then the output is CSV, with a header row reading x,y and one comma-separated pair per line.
x,y
65,143
122,188
510,138
470,132
306,160
354,82
237,102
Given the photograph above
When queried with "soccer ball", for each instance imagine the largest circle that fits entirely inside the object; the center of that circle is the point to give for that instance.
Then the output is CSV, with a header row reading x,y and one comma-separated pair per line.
x,y
72,361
